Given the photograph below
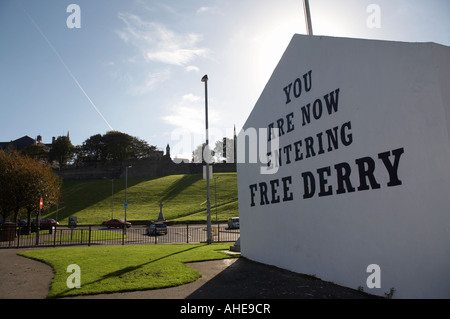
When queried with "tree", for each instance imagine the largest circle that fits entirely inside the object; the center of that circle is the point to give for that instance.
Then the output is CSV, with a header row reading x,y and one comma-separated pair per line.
x,y
41,182
22,181
38,151
113,146
13,178
92,149
118,146
141,149
62,150
6,174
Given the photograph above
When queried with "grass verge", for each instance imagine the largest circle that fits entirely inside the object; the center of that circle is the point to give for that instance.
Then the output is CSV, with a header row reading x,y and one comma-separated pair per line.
x,y
109,269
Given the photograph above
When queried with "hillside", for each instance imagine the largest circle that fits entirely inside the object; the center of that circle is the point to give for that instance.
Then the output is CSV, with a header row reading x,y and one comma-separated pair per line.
x,y
183,198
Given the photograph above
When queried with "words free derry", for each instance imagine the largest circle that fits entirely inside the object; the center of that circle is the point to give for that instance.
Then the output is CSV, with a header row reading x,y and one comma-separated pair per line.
x,y
328,180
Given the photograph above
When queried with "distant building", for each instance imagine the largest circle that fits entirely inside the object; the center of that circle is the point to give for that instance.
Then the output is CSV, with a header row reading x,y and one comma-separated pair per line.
x,y
23,142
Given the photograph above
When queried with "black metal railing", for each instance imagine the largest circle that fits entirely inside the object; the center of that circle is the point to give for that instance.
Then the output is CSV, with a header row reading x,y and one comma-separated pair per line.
x,y
20,237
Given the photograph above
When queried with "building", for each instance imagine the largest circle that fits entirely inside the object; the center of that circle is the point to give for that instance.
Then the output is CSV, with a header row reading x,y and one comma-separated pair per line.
x,y
24,142
354,185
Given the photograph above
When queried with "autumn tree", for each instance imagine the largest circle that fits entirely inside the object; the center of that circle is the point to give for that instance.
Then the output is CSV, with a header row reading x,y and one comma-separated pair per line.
x,y
6,174
40,181
22,181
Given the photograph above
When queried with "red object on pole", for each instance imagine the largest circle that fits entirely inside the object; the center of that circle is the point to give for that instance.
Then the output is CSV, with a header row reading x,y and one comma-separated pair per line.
x,y
41,202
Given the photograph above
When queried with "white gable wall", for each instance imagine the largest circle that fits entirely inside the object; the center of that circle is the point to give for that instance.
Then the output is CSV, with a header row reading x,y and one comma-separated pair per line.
x,y
392,96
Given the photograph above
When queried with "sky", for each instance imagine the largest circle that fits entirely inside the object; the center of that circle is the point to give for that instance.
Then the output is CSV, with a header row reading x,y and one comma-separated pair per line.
x,y
136,66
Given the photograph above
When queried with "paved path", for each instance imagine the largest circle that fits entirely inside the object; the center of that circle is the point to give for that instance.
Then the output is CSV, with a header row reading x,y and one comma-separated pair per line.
x,y
22,277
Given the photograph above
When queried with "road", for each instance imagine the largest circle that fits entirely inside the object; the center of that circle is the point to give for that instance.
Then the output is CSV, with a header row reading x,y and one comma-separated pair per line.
x,y
137,234
179,233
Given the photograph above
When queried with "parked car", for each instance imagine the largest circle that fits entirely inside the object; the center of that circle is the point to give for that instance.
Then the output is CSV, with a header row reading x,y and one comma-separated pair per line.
x,y
48,222
116,223
233,223
157,229
45,223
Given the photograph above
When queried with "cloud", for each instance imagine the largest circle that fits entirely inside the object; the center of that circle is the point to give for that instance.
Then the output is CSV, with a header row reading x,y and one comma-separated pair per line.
x,y
190,68
149,83
186,117
157,43
203,9
188,114
191,98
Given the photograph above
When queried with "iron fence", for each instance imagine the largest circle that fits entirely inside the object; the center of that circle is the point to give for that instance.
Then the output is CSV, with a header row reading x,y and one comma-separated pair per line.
x,y
18,237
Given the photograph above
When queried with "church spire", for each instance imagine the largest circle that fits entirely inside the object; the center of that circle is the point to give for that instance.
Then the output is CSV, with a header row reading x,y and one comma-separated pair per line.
x,y
168,150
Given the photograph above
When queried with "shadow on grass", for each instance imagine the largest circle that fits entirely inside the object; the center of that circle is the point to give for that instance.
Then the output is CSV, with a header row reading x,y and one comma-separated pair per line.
x,y
179,185
79,195
123,271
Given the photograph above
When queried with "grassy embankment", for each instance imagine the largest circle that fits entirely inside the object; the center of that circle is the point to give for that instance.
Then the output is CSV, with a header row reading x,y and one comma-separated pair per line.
x,y
183,198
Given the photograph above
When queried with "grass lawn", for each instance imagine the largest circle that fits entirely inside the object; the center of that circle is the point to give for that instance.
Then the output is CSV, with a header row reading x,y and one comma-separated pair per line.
x,y
183,197
108,269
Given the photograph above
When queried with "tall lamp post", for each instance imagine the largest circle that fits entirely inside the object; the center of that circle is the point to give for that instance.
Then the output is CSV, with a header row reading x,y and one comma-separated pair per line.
x,y
208,203
126,202
215,199
308,22
112,198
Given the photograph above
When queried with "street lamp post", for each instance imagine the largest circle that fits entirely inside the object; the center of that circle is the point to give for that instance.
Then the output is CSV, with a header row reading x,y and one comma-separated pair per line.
x,y
112,198
208,203
215,198
308,22
126,202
